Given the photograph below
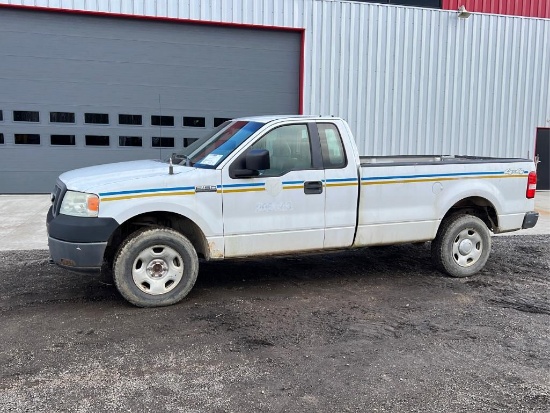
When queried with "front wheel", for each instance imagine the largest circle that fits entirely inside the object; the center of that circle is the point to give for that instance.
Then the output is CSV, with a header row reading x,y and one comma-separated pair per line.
x,y
155,267
462,245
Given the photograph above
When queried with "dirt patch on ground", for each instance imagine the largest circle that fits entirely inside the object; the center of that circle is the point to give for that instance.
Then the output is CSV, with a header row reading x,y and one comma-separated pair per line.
x,y
369,330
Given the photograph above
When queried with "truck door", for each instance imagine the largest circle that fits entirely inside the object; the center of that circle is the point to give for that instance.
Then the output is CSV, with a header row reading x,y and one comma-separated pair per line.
x,y
341,186
282,209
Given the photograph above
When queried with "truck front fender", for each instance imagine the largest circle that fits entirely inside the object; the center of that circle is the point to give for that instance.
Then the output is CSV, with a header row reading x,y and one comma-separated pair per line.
x,y
208,222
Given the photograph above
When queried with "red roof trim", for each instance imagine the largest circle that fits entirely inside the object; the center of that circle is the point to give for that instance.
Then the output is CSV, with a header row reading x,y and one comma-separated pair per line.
x,y
525,8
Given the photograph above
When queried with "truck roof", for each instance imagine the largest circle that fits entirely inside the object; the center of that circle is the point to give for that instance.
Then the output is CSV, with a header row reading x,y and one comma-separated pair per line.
x,y
272,118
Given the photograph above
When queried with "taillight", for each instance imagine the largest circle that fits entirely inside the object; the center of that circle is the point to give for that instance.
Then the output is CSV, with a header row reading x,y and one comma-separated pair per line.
x,y
531,185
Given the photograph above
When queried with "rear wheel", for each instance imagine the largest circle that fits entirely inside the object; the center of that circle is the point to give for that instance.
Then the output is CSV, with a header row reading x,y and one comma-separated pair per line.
x,y
462,245
155,267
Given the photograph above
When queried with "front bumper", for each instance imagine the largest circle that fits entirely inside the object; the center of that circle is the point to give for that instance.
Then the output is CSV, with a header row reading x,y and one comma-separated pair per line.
x,y
81,257
530,220
78,243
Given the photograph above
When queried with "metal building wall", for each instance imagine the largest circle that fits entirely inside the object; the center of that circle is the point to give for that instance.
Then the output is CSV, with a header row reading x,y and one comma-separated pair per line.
x,y
409,80
527,8
78,64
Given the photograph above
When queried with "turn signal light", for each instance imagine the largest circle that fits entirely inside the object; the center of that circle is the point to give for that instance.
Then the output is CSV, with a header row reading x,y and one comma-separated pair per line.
x,y
93,204
531,185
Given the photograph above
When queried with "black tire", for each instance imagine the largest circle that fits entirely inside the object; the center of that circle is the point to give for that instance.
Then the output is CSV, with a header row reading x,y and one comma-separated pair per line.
x,y
106,273
155,267
462,245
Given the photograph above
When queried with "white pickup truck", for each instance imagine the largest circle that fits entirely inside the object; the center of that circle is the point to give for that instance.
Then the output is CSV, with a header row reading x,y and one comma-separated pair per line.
x,y
278,185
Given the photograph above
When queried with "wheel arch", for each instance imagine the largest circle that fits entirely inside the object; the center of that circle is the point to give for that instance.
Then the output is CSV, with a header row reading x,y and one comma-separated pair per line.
x,y
166,219
478,206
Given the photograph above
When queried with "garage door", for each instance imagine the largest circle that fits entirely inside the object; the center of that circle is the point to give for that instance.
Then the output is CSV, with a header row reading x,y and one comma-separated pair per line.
x,y
78,90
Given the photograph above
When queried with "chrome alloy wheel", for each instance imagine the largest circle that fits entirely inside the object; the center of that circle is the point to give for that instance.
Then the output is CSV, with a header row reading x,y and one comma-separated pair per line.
x,y
157,269
467,247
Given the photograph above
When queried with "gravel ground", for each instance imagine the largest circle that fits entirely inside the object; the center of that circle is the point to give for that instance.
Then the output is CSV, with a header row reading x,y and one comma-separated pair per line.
x,y
368,330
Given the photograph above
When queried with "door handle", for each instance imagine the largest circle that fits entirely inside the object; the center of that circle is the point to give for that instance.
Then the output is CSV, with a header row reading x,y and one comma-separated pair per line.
x,y
313,187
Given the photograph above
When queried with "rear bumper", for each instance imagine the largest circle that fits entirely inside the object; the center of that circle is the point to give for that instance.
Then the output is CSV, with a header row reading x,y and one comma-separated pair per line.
x,y
530,220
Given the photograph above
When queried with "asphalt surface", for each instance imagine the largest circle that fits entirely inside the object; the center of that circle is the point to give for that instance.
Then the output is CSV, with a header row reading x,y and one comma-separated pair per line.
x,y
369,330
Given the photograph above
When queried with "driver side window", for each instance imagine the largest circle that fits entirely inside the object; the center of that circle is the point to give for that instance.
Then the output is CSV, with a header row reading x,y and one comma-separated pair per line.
x,y
289,149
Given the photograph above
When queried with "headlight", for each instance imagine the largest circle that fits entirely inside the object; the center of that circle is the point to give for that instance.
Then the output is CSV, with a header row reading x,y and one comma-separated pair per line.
x,y
79,204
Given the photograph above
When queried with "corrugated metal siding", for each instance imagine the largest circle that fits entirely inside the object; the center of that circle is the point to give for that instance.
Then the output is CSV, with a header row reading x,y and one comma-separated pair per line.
x,y
409,80
527,8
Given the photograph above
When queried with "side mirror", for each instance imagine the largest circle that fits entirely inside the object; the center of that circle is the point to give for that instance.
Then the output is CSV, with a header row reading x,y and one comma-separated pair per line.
x,y
255,160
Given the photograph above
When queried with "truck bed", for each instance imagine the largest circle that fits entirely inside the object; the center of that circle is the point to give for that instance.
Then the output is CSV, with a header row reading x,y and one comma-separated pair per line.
x,y
432,159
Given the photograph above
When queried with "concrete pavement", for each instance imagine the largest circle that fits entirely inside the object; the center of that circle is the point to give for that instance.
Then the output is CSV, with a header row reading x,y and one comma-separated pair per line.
x,y
23,223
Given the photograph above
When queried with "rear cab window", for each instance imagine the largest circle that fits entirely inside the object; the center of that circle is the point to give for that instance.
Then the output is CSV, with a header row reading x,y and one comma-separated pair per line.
x,y
332,147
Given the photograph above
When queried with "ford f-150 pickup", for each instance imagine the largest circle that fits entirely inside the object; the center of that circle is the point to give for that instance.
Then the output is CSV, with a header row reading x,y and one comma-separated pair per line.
x,y
278,185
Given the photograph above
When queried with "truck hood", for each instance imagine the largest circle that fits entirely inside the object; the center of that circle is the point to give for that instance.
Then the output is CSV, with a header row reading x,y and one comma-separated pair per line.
x,y
93,178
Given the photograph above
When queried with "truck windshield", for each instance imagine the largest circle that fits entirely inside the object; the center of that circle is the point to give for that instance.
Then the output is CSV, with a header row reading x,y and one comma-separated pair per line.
x,y
212,149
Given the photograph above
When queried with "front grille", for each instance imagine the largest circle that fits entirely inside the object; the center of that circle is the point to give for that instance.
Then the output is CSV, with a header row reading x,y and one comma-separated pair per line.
x,y
58,193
